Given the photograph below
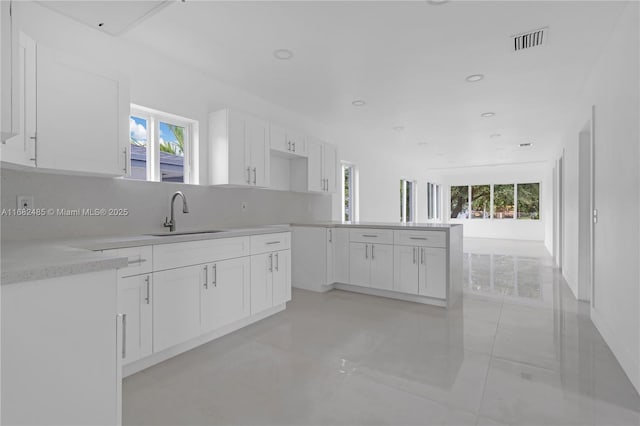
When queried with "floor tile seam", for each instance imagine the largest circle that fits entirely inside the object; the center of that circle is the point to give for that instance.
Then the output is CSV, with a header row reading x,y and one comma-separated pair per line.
x,y
404,390
491,357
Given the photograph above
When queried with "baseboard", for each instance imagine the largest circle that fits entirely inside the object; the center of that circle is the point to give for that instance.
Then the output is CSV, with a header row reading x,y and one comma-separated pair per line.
x,y
391,294
316,289
164,355
624,357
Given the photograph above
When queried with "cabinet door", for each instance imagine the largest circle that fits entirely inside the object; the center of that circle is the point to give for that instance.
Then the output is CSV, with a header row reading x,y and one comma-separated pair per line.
x,y
406,262
230,148
297,144
281,277
433,272
226,298
176,305
381,266
315,177
359,273
59,351
134,301
257,145
330,165
20,149
330,256
278,138
340,238
261,282
88,132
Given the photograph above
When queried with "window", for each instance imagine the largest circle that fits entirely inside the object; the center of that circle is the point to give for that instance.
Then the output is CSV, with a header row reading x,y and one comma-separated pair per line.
x,y
459,202
348,193
161,146
407,200
503,205
506,201
434,197
528,197
480,201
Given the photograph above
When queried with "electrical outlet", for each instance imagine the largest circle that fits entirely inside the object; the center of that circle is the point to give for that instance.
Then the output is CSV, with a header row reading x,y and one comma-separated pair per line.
x,y
25,202
243,206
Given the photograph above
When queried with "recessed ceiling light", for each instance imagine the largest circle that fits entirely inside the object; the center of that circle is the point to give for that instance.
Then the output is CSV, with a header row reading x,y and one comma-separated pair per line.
x,y
358,103
474,77
494,135
283,54
487,114
525,145
437,2
398,128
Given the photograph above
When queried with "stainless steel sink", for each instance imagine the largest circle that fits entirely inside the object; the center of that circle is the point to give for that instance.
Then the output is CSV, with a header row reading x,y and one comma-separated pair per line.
x,y
170,234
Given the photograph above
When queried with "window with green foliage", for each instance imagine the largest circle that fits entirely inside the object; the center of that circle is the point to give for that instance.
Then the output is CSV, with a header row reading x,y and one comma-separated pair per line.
x,y
460,202
503,201
480,201
506,201
528,200
160,148
348,193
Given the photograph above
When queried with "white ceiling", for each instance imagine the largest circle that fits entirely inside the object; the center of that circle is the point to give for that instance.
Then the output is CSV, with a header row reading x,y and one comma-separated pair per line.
x,y
408,60
111,17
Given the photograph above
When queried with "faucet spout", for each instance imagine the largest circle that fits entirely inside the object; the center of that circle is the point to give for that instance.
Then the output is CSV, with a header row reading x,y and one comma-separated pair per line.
x,y
171,223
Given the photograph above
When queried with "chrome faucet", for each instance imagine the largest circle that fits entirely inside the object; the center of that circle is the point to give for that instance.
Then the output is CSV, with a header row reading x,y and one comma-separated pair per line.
x,y
171,224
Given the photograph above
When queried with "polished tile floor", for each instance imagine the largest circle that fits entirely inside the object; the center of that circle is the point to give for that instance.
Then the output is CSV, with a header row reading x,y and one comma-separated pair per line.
x,y
519,349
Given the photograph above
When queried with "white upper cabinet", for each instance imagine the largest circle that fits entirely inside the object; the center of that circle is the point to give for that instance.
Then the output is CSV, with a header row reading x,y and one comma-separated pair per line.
x,y
82,115
72,115
20,149
286,141
322,165
239,149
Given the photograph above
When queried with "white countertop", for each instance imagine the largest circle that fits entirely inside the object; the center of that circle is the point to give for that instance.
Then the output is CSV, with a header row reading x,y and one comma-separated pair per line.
x,y
383,225
36,260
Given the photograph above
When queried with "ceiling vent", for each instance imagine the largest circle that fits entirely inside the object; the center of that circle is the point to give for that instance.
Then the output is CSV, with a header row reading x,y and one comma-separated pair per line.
x,y
530,39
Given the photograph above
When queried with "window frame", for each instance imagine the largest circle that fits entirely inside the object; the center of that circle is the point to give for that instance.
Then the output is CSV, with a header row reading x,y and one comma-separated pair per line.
x,y
434,201
353,191
154,118
413,212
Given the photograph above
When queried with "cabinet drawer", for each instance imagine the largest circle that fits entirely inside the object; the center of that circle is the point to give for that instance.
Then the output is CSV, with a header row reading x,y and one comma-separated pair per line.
x,y
176,255
270,242
381,236
421,238
140,260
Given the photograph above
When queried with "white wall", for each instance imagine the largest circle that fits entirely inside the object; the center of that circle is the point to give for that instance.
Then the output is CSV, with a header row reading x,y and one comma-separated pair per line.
x,y
157,82
148,204
614,90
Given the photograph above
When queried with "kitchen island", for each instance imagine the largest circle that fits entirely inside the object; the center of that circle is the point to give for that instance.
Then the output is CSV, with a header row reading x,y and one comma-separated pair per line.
x,y
418,262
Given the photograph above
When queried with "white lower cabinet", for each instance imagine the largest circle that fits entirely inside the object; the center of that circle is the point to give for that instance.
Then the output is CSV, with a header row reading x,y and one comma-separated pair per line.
x,y
270,280
176,305
135,303
261,282
421,270
61,349
371,265
281,277
406,269
433,269
226,295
